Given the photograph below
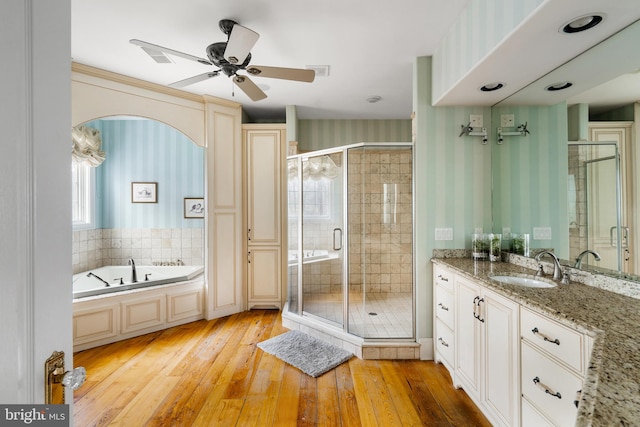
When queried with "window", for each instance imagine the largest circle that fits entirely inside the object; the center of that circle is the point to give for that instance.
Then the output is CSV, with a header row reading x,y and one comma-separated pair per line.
x,y
82,196
317,198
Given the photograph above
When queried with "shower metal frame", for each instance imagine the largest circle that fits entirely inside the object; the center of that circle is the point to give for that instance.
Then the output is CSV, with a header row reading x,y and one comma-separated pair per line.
x,y
345,235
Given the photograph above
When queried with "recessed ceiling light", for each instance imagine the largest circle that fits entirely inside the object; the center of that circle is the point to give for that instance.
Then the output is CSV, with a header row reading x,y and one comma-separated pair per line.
x,y
374,99
491,87
558,86
582,23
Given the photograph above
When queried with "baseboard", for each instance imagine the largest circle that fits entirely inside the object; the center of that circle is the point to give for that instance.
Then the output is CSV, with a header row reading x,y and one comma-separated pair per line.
x,y
426,348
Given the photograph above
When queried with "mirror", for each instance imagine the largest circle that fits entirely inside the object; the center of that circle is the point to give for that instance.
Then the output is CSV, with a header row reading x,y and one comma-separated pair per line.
x,y
154,228
530,181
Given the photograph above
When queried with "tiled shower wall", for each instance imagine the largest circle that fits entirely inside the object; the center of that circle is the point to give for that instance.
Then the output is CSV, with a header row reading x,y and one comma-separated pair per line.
x,y
380,254
380,246
97,248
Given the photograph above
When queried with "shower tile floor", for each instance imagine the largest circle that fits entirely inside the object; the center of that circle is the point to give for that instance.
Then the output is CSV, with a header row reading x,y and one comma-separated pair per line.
x,y
380,315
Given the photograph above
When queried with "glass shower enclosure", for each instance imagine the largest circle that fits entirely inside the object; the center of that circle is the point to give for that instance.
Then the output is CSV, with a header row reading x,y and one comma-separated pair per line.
x,y
350,253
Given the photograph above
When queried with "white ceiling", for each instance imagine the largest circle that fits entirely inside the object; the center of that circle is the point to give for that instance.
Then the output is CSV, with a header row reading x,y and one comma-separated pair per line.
x,y
369,46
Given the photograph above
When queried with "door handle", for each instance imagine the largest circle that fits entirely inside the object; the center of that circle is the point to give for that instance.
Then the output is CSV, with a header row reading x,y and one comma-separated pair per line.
x,y
625,236
338,246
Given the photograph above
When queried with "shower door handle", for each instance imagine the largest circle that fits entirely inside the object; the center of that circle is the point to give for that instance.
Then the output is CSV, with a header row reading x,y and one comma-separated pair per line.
x,y
338,246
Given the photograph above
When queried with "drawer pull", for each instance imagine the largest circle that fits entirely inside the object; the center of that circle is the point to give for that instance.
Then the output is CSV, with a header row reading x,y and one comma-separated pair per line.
x,y
444,307
578,397
541,386
441,277
476,303
544,337
443,342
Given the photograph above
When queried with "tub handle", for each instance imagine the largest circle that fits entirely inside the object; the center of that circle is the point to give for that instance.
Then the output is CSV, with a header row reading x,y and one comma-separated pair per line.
x,y
146,276
120,279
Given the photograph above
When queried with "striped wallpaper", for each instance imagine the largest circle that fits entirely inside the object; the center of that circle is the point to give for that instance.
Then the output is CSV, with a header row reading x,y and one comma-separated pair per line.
x,y
318,134
464,185
530,175
482,25
146,150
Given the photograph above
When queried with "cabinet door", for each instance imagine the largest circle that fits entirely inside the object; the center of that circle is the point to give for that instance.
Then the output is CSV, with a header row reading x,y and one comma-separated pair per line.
x,y
467,332
264,277
501,358
263,150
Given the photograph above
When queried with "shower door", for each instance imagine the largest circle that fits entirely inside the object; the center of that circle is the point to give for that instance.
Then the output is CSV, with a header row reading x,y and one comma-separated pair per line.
x,y
380,207
322,237
595,213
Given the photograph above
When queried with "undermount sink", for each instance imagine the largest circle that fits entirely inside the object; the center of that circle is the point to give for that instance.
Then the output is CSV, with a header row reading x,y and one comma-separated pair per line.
x,y
528,282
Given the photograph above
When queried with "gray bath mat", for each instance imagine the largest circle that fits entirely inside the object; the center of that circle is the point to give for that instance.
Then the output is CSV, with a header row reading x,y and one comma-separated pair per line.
x,y
311,355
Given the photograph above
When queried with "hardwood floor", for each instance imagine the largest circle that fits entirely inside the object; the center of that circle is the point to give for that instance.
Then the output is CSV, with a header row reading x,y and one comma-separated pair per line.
x,y
212,373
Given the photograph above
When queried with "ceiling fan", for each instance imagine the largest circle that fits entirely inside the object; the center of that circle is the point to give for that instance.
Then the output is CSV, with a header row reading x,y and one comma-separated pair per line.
x,y
230,57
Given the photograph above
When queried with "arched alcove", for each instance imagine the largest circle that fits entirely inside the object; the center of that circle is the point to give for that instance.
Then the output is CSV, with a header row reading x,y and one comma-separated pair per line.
x,y
160,230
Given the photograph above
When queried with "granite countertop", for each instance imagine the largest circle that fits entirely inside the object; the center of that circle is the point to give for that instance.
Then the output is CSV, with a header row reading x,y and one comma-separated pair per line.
x,y
611,392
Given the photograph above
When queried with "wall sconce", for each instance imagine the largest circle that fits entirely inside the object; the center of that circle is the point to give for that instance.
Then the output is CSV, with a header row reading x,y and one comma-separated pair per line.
x,y
469,130
517,131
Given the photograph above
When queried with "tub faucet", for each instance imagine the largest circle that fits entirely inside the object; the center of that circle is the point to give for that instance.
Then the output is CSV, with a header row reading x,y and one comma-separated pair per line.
x,y
578,263
557,270
134,275
90,274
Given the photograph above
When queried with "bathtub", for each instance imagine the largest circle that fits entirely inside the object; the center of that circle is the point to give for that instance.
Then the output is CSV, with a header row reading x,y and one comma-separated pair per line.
x,y
311,255
85,286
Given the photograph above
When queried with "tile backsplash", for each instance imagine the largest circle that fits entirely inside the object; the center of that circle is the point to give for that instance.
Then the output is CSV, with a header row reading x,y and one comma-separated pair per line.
x,y
97,248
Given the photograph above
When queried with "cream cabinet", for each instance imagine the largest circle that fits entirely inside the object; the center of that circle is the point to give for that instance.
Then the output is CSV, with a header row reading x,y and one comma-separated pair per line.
x,y
554,362
264,154
487,357
519,366
444,317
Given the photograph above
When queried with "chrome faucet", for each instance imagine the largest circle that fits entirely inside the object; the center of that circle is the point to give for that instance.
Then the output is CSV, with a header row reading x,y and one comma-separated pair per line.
x,y
578,263
134,275
557,270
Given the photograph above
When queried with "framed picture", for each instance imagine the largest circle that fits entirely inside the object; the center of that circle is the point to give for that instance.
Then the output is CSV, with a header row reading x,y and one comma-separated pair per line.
x,y
193,207
144,192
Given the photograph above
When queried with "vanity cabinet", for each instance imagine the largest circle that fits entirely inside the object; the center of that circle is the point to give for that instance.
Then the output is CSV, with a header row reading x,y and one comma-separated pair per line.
x,y
265,197
519,366
554,362
487,359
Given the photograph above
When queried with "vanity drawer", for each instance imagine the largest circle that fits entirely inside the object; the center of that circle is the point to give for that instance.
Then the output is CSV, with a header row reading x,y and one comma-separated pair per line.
x,y
531,417
443,277
444,342
444,305
558,340
549,387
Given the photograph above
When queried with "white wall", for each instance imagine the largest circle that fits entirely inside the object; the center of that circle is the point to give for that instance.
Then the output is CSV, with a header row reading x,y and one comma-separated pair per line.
x,y
35,199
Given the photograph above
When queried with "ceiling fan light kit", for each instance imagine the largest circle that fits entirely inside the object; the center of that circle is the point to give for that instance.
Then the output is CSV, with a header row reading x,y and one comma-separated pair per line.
x,y
230,57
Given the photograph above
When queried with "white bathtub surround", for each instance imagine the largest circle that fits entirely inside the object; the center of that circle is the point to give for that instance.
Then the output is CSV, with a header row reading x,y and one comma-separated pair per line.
x,y
97,248
119,278
103,319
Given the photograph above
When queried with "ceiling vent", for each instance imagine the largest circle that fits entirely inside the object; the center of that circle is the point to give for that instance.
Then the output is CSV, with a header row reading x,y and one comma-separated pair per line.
x,y
321,70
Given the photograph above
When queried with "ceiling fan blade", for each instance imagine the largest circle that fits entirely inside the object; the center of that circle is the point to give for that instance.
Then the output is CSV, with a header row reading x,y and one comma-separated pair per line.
x,y
195,79
250,88
297,74
153,49
241,41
